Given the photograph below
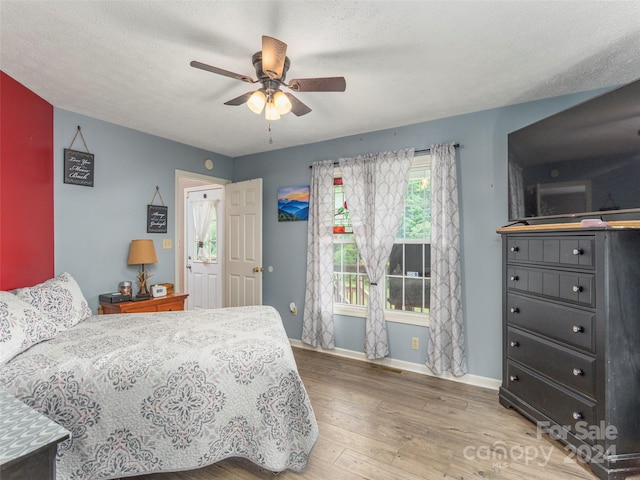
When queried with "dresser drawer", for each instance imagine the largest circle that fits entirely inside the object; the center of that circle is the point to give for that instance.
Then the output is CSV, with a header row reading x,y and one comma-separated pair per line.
x,y
573,369
566,286
559,322
174,306
561,251
560,405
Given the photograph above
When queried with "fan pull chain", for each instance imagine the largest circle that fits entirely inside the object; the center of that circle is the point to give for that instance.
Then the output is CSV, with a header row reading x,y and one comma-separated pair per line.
x,y
270,139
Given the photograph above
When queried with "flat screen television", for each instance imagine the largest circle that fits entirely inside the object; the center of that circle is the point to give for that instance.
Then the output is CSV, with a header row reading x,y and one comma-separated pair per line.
x,y
581,162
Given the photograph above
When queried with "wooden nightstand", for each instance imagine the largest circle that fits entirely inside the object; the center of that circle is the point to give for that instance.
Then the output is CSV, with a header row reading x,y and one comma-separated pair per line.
x,y
172,302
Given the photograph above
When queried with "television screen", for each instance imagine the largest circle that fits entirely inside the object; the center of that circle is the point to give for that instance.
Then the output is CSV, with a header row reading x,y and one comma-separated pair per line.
x,y
583,161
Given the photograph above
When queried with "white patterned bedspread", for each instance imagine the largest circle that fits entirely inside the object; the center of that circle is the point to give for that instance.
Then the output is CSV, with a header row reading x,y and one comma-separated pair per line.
x,y
170,391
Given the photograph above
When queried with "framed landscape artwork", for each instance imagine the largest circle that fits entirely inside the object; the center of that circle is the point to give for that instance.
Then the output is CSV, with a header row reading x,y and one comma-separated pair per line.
x,y
293,203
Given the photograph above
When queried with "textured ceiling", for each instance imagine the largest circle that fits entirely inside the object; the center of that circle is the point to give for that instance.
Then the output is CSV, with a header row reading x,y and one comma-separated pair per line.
x,y
127,62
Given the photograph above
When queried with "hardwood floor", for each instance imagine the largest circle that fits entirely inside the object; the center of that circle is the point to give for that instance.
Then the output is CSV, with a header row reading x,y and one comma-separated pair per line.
x,y
378,423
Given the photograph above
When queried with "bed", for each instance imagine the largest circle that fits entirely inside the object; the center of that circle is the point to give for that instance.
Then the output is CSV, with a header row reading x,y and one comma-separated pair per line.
x,y
157,392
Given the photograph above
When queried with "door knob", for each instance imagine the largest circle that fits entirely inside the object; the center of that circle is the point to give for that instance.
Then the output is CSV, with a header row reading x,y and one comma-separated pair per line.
x,y
258,269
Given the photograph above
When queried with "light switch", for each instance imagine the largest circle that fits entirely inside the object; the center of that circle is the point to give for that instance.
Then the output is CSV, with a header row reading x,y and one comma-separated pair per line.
x,y
166,243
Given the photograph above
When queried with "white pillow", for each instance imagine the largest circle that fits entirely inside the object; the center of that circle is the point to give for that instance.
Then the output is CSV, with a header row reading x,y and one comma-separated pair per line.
x,y
59,298
21,326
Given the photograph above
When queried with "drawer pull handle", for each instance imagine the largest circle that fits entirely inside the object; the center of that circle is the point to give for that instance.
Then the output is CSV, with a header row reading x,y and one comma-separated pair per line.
x,y
577,288
514,310
514,343
577,415
513,378
578,372
514,278
578,329
578,251
515,248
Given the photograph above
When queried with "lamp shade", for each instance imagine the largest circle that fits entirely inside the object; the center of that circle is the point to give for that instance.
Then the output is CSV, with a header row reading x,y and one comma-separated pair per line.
x,y
142,252
271,112
282,102
256,101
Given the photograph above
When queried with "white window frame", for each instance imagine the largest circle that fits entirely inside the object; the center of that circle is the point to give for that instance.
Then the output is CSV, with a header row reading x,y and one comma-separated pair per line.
x,y
396,316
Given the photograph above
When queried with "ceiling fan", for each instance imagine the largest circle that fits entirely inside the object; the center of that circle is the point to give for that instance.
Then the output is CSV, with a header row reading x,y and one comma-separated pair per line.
x,y
271,65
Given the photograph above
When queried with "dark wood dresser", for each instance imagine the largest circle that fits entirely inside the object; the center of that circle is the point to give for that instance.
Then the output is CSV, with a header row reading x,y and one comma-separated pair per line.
x,y
571,338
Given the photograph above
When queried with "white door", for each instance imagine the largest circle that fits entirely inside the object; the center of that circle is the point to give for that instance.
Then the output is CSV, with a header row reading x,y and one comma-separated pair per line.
x,y
243,206
205,260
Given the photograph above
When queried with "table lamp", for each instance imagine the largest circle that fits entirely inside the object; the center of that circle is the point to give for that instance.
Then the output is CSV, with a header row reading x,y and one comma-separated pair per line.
x,y
142,252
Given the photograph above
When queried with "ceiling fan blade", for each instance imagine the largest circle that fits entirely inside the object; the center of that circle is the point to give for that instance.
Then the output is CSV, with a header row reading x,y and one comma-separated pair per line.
x,y
327,84
240,100
274,53
297,107
220,71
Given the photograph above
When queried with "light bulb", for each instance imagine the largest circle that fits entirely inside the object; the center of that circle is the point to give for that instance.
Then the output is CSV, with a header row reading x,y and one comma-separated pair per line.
x,y
256,101
271,112
282,102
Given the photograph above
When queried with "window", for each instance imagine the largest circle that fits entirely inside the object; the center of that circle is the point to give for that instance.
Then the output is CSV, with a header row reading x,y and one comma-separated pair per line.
x,y
408,274
205,225
208,251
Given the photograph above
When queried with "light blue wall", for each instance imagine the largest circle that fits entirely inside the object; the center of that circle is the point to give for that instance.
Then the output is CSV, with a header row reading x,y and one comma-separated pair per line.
x,y
94,225
482,170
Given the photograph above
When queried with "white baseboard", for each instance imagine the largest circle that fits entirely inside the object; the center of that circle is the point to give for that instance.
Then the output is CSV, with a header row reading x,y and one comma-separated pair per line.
x,y
469,379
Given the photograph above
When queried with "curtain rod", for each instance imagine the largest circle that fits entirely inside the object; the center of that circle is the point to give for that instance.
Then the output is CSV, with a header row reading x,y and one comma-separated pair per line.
x,y
427,150
424,150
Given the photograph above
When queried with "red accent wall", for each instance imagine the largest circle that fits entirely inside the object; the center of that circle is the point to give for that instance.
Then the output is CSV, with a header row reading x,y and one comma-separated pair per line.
x,y
26,186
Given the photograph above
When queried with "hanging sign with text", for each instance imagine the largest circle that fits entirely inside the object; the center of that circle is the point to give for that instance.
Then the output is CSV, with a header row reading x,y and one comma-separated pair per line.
x,y
78,168
157,219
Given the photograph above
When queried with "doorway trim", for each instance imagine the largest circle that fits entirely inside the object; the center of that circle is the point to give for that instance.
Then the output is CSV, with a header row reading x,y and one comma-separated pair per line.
x,y
184,179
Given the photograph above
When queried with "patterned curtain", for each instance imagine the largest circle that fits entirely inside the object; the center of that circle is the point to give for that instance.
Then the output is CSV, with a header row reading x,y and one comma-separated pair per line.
x,y
445,351
317,320
204,211
516,190
375,186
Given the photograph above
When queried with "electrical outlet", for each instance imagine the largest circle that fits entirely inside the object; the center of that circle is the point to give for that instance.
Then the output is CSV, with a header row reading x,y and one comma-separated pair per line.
x,y
415,343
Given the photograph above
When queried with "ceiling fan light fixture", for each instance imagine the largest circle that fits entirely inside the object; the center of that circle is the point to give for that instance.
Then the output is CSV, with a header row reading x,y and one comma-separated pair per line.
x,y
271,111
282,102
271,65
257,101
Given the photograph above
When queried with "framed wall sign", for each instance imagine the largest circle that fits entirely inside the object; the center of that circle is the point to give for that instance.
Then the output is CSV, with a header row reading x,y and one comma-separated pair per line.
x,y
78,167
157,219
